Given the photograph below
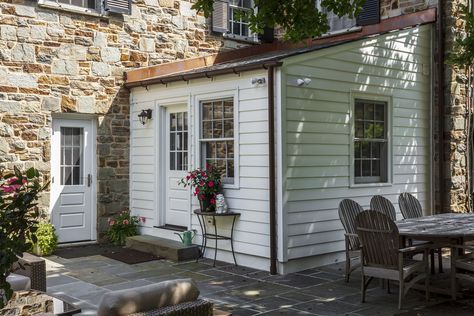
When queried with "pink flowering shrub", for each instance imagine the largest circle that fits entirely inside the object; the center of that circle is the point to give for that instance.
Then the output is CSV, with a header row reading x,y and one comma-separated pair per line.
x,y
18,219
122,226
205,185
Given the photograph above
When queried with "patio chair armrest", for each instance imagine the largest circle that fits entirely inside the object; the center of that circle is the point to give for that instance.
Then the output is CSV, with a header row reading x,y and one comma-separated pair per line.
x,y
33,267
351,235
417,248
463,247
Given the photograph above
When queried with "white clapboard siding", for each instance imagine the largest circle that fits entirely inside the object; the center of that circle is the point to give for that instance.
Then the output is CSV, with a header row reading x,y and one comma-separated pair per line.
x,y
142,167
317,136
250,194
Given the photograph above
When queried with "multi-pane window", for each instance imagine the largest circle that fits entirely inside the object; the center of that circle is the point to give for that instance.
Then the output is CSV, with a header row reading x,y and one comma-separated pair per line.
x,y
370,142
72,155
336,23
217,136
237,23
89,4
178,141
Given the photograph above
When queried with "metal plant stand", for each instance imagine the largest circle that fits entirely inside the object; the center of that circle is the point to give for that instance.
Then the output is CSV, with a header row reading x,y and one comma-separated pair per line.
x,y
207,235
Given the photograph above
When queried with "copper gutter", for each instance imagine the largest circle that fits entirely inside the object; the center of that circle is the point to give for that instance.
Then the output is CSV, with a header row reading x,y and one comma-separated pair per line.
x,y
271,169
204,74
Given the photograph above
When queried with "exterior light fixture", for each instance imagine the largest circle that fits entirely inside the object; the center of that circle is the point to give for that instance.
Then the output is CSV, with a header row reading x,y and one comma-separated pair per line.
x,y
144,116
258,81
303,82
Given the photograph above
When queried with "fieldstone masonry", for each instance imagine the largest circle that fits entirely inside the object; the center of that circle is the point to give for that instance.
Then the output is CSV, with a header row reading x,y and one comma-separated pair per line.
x,y
456,156
55,61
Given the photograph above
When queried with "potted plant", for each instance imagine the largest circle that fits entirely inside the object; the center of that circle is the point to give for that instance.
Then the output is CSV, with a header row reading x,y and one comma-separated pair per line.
x,y
18,217
46,239
122,226
206,185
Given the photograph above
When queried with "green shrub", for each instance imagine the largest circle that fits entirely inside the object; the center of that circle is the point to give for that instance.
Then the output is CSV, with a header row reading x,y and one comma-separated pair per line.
x,y
19,215
47,240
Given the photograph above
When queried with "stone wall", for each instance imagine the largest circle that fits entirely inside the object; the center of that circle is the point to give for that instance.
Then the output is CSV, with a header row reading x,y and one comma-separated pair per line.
x,y
455,158
54,61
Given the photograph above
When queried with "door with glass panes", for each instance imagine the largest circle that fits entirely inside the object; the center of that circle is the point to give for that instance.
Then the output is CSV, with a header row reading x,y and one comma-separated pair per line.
x,y
72,182
177,197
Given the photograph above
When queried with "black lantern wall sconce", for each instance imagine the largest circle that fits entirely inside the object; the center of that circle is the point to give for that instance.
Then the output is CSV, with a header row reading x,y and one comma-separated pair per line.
x,y
144,116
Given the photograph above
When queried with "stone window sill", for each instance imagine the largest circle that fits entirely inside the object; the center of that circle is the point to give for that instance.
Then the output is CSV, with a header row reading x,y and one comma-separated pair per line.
x,y
240,38
70,8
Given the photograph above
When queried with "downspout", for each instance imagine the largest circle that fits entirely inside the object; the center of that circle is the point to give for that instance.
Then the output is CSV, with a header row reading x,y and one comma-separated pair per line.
x,y
271,169
441,105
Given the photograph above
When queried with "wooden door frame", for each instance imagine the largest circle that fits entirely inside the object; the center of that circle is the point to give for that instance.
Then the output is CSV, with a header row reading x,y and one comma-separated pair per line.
x,y
93,156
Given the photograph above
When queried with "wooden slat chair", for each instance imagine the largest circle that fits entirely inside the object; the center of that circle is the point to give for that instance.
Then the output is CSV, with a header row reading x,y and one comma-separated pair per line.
x,y
381,204
348,210
410,207
382,257
463,265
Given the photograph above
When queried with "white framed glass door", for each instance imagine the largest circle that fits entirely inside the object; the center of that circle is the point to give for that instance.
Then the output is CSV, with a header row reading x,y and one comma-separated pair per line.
x,y
72,183
177,161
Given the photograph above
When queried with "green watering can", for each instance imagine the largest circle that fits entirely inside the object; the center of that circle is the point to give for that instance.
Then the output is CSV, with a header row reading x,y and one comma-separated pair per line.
x,y
187,237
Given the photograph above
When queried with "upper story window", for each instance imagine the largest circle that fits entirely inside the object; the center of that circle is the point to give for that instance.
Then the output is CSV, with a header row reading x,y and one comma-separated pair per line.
x,y
90,4
91,7
371,142
237,24
228,19
336,23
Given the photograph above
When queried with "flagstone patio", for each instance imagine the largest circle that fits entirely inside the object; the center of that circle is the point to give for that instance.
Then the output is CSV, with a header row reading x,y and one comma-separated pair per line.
x,y
243,291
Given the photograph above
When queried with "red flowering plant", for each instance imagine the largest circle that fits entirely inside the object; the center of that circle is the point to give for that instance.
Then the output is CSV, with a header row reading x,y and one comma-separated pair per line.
x,y
19,214
122,226
205,184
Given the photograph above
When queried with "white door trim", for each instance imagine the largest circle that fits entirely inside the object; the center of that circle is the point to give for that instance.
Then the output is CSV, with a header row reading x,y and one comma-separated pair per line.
x,y
163,156
55,143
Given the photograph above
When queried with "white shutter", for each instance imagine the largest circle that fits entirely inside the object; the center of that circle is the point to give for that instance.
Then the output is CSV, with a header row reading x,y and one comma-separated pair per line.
x,y
220,16
118,6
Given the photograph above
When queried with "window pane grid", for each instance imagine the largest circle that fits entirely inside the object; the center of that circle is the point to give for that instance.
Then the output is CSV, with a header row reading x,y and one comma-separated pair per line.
x,y
237,24
370,141
71,156
89,4
178,141
217,136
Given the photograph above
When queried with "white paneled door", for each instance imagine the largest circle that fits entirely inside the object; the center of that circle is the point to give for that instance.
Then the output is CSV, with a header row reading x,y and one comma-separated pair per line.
x,y
177,197
73,181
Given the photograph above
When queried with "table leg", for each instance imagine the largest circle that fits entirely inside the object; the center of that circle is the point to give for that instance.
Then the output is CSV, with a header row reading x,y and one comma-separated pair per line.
x,y
203,231
215,232
232,240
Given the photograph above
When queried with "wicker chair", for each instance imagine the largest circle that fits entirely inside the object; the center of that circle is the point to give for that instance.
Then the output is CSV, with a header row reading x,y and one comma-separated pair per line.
x,y
170,298
381,204
410,207
348,210
196,308
33,267
382,257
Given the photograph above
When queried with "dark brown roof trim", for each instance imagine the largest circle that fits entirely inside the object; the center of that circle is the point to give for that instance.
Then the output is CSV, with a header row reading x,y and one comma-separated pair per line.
x,y
205,74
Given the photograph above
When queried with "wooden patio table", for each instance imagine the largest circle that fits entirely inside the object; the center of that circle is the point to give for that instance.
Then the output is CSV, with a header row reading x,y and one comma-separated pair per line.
x,y
441,229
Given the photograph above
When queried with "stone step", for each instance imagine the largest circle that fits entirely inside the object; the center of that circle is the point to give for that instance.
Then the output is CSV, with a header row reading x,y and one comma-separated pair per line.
x,y
164,248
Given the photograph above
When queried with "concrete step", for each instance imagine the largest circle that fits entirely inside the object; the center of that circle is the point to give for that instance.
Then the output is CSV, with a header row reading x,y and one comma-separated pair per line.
x,y
161,247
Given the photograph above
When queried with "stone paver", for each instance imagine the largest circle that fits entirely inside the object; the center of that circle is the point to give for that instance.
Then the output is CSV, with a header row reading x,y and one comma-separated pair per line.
x,y
240,290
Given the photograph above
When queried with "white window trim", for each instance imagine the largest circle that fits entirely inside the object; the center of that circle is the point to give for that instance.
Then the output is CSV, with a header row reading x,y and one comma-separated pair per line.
x,y
71,8
198,98
251,38
372,97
